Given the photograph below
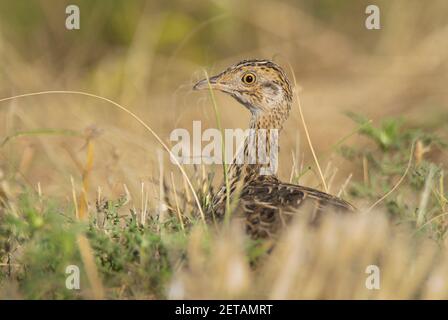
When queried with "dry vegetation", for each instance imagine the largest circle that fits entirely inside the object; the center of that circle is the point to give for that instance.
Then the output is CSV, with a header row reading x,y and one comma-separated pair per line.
x,y
82,182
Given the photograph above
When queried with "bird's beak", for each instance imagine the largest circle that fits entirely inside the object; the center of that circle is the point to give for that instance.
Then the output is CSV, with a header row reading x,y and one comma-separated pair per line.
x,y
204,83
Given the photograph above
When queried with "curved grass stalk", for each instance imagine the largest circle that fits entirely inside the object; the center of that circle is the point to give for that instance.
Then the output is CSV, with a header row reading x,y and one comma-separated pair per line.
x,y
429,221
223,147
305,127
397,184
133,115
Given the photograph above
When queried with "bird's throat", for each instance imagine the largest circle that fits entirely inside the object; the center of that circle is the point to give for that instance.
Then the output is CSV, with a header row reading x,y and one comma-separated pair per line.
x,y
264,125
260,147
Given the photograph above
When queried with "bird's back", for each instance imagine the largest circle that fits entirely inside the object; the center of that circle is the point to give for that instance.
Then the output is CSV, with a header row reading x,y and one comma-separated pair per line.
x,y
268,206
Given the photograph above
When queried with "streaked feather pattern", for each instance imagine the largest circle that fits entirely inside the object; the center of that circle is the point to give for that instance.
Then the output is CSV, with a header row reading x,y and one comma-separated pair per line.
x,y
266,204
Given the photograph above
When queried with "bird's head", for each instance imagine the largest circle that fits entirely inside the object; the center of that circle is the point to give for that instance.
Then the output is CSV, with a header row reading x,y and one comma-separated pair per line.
x,y
260,85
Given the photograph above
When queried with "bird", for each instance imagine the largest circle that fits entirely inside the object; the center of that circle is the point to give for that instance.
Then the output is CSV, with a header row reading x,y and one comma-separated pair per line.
x,y
266,204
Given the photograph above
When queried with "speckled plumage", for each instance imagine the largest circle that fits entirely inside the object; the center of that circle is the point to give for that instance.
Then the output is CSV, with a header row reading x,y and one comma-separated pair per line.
x,y
265,203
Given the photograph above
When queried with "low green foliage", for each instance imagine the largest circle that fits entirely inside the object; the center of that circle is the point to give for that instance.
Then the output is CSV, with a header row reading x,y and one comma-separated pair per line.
x,y
137,259
386,159
133,260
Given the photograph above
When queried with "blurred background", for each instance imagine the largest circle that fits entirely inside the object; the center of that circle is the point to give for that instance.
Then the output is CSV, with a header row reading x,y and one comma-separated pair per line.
x,y
146,55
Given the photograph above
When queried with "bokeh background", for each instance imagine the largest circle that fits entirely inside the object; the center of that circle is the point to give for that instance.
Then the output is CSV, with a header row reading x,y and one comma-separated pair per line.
x,y
147,54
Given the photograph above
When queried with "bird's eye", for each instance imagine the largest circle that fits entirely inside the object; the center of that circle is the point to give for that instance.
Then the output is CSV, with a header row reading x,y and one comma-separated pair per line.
x,y
248,78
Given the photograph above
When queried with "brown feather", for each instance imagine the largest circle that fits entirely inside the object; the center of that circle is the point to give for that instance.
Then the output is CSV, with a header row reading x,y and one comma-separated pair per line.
x,y
264,203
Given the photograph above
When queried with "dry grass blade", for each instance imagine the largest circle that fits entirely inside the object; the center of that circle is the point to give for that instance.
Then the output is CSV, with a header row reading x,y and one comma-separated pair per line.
x,y
431,220
223,146
74,197
397,184
305,127
91,271
85,249
425,197
179,214
83,201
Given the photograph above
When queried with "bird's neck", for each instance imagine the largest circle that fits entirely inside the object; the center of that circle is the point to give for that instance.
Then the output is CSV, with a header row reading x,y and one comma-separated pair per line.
x,y
268,125
271,119
263,141
261,145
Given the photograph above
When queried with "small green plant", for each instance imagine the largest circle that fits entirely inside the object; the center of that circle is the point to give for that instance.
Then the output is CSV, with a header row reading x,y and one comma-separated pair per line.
x,y
385,160
134,260
138,254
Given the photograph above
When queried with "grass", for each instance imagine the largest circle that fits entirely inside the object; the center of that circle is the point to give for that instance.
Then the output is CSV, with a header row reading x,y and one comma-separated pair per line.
x,y
106,200
133,115
305,128
223,149
136,255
